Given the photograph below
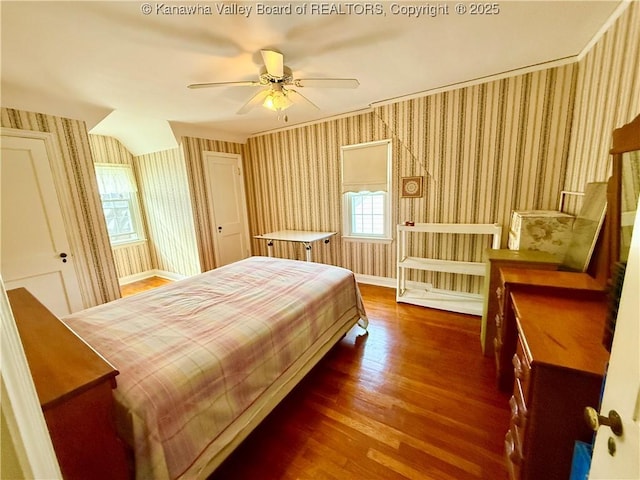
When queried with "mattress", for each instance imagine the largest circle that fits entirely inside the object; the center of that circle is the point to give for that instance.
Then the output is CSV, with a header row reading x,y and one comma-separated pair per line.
x,y
197,356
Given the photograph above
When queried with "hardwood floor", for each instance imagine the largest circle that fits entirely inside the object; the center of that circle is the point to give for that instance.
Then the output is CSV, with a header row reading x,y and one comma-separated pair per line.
x,y
414,399
142,285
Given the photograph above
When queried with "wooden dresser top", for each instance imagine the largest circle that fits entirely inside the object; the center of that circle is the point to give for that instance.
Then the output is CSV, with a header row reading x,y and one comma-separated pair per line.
x,y
61,363
562,331
521,256
553,279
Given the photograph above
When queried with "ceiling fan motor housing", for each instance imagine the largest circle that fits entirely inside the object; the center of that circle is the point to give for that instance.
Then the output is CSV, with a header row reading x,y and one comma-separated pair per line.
x,y
266,78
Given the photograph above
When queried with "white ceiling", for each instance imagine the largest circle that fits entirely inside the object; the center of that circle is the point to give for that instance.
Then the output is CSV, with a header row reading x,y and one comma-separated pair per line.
x,y
92,59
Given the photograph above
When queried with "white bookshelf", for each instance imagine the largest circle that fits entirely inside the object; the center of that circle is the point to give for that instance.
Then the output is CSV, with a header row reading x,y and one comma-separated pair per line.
x,y
424,294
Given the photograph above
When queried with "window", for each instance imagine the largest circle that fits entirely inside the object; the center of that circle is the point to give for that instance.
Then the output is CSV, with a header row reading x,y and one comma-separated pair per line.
x,y
366,178
119,196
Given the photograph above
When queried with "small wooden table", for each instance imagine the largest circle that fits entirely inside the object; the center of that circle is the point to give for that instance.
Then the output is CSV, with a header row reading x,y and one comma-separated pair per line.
x,y
301,236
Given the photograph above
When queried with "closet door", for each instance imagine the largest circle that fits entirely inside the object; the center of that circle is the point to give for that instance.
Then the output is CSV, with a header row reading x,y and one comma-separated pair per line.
x,y
34,247
227,206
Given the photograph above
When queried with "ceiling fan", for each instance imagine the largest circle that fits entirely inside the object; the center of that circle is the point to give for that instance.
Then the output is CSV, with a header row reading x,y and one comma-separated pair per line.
x,y
278,80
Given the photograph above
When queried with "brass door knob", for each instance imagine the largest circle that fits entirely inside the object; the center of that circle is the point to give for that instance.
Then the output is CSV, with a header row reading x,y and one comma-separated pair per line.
x,y
594,420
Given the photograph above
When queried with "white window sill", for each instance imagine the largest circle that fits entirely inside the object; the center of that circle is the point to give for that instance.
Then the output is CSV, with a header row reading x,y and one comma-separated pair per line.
x,y
132,243
382,240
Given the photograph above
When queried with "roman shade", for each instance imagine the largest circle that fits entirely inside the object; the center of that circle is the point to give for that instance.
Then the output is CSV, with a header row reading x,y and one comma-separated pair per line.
x,y
115,179
365,167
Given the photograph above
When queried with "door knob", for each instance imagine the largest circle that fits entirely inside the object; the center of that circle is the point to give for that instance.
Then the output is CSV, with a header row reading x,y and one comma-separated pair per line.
x,y
220,229
63,256
594,420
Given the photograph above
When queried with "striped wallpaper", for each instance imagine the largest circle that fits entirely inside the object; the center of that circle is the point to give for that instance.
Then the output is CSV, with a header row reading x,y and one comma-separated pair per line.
x,y
76,186
164,189
607,97
485,150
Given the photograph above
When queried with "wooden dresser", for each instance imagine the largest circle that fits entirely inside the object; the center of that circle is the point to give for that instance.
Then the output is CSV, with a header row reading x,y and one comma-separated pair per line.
x,y
570,284
495,260
74,385
559,366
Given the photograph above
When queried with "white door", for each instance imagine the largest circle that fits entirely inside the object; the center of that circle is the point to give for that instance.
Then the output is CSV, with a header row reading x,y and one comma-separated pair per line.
x,y
34,248
622,385
227,206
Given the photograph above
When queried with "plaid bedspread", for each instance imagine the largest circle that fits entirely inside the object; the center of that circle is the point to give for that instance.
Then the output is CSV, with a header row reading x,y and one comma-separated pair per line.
x,y
195,354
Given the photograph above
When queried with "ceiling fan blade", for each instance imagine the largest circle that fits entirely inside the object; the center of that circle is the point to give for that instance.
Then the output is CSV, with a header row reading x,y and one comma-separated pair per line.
x,y
327,82
274,63
254,101
247,83
298,99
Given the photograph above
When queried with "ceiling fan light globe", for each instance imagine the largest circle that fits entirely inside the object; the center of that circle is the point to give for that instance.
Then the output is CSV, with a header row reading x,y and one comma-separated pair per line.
x,y
277,101
268,102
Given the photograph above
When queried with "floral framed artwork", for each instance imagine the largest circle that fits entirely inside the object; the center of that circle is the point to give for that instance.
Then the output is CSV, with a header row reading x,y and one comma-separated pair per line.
x,y
411,187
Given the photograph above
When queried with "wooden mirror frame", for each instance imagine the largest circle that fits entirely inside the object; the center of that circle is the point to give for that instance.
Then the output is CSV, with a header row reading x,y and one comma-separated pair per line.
x,y
625,139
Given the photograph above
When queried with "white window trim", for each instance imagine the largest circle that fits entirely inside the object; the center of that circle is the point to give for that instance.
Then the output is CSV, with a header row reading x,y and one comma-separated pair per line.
x,y
136,210
346,223
356,239
387,236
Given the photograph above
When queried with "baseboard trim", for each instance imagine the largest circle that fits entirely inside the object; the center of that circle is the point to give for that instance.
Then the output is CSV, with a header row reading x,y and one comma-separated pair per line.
x,y
378,281
136,277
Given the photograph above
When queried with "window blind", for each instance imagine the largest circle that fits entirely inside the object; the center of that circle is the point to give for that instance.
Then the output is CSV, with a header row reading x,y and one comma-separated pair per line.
x,y
365,168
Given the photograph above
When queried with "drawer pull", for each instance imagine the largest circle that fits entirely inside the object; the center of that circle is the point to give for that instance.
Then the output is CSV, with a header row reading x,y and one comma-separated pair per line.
x,y
511,450
520,368
515,414
517,366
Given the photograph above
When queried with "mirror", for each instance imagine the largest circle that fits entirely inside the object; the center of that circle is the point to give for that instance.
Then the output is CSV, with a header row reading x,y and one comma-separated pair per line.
x,y
624,190
622,201
629,192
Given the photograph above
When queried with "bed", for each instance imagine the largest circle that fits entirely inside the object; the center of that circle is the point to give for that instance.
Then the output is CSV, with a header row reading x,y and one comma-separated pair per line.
x,y
203,360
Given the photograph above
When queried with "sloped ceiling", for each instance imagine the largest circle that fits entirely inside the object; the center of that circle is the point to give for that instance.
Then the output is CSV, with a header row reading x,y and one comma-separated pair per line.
x,y
89,59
